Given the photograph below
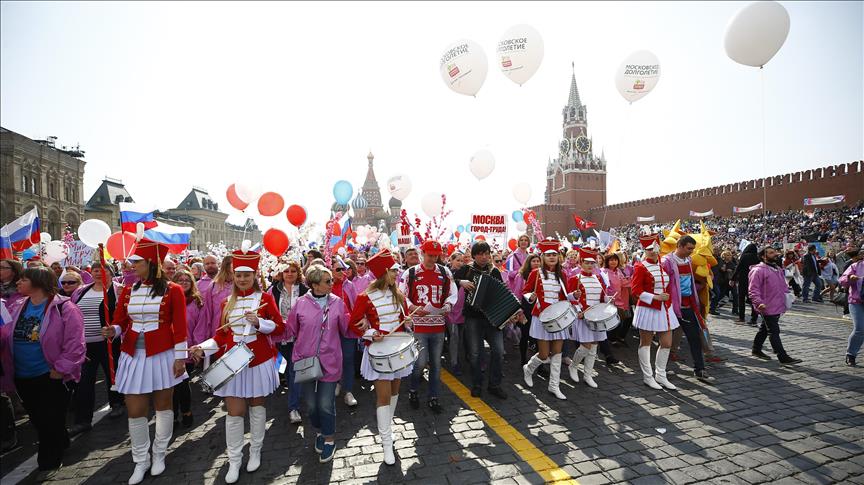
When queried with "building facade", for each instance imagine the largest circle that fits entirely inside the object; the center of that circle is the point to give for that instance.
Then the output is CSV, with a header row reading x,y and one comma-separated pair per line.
x,y
41,174
368,207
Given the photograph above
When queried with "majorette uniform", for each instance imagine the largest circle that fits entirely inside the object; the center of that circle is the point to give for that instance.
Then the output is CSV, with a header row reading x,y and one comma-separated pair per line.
x,y
549,289
260,377
593,290
379,307
652,315
154,336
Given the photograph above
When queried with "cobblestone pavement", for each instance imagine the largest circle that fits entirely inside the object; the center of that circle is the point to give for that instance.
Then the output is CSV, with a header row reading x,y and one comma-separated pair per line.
x,y
758,422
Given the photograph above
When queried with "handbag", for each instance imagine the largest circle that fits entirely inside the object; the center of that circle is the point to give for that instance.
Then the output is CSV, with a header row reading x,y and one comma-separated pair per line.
x,y
309,369
841,298
790,299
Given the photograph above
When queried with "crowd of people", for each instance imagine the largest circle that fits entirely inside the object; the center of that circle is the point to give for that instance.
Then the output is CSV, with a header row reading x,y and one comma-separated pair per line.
x,y
159,320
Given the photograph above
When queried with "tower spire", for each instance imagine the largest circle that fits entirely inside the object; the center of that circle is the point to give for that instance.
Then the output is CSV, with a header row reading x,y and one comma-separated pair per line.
x,y
573,100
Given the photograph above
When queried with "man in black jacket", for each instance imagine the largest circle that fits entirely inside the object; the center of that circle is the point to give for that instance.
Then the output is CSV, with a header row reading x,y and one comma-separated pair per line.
x,y
810,269
741,278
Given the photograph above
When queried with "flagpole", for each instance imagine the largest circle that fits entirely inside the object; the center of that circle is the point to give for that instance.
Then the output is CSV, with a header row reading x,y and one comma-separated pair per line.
x,y
105,310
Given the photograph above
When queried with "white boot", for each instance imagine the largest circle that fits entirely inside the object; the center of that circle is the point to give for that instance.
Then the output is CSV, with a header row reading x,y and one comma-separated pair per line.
x,y
139,435
386,432
234,444
589,367
257,428
393,401
660,373
580,354
555,376
164,429
529,369
645,364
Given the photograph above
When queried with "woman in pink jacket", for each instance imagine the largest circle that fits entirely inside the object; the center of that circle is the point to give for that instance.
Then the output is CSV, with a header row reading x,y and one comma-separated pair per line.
x,y
318,322
197,331
42,350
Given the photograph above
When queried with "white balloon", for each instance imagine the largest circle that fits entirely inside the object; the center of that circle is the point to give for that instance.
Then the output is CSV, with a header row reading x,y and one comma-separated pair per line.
x,y
520,52
482,164
55,250
756,33
431,204
93,232
248,191
522,192
637,75
463,67
139,231
362,239
399,186
521,226
44,237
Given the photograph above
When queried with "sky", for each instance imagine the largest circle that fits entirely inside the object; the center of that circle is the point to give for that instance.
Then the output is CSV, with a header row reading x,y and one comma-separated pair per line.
x,y
292,96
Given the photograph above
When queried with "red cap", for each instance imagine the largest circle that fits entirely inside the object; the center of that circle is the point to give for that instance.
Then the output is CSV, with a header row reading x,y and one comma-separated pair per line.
x,y
247,261
150,251
432,248
649,240
588,254
381,262
549,246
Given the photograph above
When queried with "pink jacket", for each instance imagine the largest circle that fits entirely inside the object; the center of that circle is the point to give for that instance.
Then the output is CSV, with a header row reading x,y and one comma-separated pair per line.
x,y
361,282
61,337
212,310
768,286
621,291
198,330
854,286
304,324
455,315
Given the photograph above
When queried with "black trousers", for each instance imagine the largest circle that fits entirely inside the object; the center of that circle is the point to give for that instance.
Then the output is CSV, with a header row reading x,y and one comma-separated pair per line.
x,y
742,301
182,399
85,392
770,329
7,418
46,401
690,326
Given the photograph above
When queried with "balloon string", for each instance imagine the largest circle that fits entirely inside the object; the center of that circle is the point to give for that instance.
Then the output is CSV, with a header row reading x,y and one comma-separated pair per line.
x,y
764,144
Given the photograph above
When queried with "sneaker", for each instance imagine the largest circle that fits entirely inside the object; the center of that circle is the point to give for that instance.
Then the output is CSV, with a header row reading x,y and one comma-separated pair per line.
x,y
349,400
434,405
761,355
476,391
498,392
413,400
319,443
328,452
79,428
850,361
847,316
789,360
116,411
703,376
294,417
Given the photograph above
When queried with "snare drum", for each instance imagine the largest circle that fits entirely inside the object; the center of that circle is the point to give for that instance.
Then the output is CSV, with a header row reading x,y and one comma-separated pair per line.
x,y
602,317
223,370
393,353
558,317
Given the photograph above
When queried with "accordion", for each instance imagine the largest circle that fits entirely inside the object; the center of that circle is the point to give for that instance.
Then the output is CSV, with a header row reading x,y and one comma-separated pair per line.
x,y
493,299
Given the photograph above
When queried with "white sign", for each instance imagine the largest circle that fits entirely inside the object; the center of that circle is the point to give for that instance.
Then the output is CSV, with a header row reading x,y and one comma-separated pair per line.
x,y
404,242
79,254
489,225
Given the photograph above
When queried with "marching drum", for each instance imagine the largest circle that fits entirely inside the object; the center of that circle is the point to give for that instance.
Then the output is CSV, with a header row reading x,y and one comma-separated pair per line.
x,y
558,317
393,353
224,369
602,317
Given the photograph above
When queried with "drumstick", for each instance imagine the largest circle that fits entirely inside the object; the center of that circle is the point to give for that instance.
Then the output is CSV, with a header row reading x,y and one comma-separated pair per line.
x,y
229,324
402,322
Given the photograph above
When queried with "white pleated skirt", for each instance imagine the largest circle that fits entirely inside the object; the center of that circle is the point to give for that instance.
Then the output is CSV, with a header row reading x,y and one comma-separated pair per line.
x,y
370,374
580,332
652,320
142,375
539,332
258,381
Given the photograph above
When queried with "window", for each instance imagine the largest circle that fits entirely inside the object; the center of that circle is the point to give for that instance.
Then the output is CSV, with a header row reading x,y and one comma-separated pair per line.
x,y
24,183
33,185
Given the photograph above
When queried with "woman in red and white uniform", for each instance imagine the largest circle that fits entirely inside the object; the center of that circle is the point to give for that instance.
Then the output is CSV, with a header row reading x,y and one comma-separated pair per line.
x,y
248,316
593,291
650,285
547,285
151,316
383,306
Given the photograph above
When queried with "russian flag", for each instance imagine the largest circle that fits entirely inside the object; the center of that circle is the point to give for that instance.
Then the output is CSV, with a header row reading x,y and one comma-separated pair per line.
x,y
132,213
343,237
19,234
175,237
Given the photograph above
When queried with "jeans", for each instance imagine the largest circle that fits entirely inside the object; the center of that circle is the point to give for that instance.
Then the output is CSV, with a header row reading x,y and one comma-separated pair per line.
x,y
294,390
856,338
431,345
690,326
85,393
818,286
477,329
454,336
349,346
770,329
46,400
320,398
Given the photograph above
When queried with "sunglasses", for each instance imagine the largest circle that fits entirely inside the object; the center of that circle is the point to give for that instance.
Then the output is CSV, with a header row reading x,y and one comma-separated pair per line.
x,y
327,282
184,281
64,283
497,260
361,263
339,270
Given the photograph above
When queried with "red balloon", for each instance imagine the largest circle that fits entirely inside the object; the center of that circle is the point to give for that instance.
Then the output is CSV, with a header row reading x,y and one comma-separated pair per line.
x,y
353,234
457,234
527,215
296,215
480,237
234,199
276,242
121,245
512,244
270,204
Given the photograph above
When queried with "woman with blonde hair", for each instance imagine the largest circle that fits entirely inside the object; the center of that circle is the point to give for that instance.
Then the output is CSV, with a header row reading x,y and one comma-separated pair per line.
x,y
287,291
197,330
